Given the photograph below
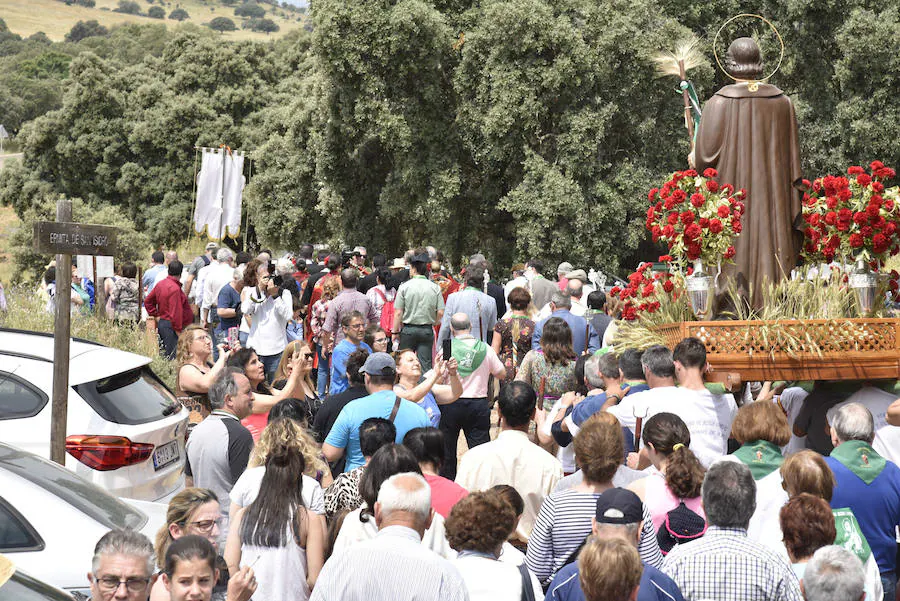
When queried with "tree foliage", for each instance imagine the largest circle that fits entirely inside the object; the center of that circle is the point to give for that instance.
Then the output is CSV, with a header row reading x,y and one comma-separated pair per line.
x,y
179,14
221,24
85,29
250,10
513,127
156,12
129,7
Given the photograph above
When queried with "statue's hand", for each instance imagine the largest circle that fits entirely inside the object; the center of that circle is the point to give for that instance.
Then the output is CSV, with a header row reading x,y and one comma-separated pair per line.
x,y
691,160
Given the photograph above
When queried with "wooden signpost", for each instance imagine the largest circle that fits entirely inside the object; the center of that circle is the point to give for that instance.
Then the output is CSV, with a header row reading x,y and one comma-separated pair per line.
x,y
65,238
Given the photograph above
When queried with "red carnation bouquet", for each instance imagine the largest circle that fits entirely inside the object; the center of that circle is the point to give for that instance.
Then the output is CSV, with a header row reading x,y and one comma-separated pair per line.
x,y
852,216
645,289
696,216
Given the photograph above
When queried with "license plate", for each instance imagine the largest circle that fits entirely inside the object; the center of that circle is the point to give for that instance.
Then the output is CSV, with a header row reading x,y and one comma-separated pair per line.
x,y
166,454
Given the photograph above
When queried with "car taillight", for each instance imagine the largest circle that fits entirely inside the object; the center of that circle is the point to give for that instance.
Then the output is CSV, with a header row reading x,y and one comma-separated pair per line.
x,y
104,453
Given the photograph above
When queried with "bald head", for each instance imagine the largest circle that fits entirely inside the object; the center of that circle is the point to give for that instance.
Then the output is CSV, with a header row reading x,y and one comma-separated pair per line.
x,y
171,256
575,288
460,323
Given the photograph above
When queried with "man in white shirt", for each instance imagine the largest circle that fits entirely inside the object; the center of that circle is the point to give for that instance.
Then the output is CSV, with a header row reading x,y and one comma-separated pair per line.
x,y
877,401
394,564
575,289
220,273
708,416
512,458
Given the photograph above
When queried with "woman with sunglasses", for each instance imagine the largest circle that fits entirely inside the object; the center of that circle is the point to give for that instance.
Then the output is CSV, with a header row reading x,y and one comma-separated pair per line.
x,y
192,511
264,396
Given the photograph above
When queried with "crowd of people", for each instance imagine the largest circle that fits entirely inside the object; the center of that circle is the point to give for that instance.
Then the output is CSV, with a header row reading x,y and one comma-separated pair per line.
x,y
325,462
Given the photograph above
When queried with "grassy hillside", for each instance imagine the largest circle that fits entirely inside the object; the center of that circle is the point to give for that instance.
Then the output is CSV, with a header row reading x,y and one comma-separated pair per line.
x,y
54,18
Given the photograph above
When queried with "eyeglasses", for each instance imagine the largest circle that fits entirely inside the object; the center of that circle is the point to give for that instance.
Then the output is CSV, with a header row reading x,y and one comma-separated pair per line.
x,y
110,584
206,526
357,326
380,340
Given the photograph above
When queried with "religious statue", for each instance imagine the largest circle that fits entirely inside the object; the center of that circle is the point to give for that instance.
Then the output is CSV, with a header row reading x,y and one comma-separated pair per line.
x,y
748,132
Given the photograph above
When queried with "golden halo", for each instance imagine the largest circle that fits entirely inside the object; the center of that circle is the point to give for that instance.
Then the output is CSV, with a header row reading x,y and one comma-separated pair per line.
x,y
764,20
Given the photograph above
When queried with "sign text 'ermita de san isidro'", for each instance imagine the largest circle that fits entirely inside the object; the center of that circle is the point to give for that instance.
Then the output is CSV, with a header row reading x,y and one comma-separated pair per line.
x,y
54,237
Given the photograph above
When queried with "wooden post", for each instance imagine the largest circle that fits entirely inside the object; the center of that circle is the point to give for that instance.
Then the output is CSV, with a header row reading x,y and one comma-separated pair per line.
x,y
60,408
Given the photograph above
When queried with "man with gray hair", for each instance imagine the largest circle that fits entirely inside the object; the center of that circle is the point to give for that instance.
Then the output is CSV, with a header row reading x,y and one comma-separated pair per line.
x,y
724,564
393,565
833,574
122,567
218,274
584,337
470,413
868,484
219,447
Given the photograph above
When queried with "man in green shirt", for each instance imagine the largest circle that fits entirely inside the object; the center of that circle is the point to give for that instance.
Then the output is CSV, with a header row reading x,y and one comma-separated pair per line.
x,y
418,307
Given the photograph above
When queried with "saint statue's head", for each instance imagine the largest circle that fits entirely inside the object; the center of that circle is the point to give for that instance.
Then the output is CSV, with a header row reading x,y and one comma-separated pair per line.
x,y
743,60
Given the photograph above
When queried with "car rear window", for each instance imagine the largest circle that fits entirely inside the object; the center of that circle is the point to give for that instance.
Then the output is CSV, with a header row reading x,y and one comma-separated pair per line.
x,y
132,397
84,496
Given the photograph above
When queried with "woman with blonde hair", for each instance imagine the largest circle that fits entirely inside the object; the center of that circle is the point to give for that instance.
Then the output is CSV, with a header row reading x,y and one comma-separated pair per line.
x,y
286,427
194,372
192,511
283,433
298,352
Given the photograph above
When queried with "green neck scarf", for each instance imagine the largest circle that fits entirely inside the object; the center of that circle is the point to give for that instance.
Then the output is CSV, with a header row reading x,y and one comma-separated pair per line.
x,y
761,456
849,535
860,458
469,354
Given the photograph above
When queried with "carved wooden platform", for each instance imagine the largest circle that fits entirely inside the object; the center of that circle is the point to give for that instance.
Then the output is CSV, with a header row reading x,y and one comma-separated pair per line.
x,y
816,349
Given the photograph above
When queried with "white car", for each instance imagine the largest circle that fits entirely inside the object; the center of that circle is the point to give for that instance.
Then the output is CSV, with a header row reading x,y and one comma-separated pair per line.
x,y
125,430
51,519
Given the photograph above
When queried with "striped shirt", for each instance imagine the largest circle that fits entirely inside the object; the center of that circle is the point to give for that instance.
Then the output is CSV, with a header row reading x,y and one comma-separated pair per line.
x,y
725,565
391,566
563,524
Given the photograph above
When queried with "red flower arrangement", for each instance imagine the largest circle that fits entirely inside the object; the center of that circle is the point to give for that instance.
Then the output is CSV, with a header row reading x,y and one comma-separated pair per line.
x,y
852,216
645,289
696,216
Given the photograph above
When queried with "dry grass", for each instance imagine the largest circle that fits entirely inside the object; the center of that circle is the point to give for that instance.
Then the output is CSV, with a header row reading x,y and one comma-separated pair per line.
x,y
8,222
55,19
26,312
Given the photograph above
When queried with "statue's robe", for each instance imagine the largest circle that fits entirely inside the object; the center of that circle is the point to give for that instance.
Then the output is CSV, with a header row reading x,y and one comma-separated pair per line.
x,y
751,138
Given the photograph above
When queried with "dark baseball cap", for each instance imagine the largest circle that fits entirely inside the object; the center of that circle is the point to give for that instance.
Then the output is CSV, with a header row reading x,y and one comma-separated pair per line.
x,y
619,506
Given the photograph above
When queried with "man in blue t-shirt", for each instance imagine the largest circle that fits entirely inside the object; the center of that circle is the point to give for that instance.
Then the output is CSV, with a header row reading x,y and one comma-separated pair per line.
x,y
380,372
353,325
868,484
620,514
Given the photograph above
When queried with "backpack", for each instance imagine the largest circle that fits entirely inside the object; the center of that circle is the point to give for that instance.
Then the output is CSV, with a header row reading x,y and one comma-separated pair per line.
x,y
681,526
387,313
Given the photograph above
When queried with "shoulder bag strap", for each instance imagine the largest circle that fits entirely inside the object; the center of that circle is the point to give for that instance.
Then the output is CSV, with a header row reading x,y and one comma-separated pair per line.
x,y
527,591
395,409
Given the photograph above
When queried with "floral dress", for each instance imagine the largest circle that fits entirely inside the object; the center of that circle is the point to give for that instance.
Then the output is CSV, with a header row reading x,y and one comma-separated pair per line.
x,y
559,378
512,354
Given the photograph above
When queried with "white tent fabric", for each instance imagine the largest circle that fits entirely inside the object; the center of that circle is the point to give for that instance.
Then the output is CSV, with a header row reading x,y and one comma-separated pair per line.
x,y
220,185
